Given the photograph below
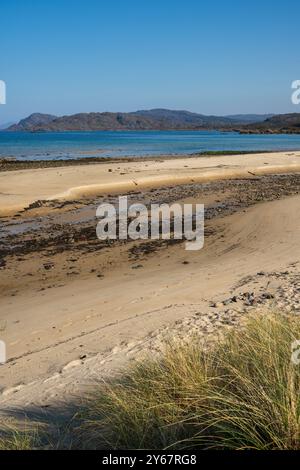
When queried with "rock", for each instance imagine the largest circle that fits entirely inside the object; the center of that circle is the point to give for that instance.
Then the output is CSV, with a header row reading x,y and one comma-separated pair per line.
x,y
216,304
48,266
267,295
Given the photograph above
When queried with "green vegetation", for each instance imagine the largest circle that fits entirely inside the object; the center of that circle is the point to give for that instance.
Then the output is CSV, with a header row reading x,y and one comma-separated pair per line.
x,y
242,394
12,438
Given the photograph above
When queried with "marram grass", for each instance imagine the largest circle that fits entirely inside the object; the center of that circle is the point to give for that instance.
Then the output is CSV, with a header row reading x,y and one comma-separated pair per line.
x,y
244,393
14,438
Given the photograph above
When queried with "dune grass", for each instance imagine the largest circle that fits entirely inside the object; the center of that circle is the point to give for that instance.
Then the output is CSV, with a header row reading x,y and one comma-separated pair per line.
x,y
244,393
13,438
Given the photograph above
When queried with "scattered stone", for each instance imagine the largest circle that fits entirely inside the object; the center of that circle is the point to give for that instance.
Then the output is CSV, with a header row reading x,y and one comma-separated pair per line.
x,y
267,295
48,266
35,205
216,304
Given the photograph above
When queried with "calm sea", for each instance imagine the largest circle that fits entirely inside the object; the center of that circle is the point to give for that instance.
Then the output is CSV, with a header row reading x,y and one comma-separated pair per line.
x,y
49,145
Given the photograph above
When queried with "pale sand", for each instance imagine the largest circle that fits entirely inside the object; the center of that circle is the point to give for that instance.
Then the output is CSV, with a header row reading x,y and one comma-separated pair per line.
x,y
105,321
20,188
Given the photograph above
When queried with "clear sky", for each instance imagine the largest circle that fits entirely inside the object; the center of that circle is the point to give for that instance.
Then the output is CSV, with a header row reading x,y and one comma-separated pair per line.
x,y
213,57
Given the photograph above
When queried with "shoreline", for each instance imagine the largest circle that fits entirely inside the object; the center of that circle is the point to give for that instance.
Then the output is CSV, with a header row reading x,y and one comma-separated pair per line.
x,y
86,180
10,163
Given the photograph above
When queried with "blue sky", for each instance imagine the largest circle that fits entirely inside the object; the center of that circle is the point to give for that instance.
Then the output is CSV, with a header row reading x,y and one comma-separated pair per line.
x,y
212,57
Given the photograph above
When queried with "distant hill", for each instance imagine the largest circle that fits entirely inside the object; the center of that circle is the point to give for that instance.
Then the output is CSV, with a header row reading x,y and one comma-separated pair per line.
x,y
32,121
280,123
140,120
249,118
166,118
158,119
96,121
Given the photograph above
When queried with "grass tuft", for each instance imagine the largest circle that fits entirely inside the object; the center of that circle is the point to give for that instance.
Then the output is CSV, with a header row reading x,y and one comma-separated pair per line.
x,y
243,393
13,438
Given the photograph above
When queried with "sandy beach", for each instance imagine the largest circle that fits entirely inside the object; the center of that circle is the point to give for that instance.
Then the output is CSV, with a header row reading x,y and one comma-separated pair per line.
x,y
74,309
20,189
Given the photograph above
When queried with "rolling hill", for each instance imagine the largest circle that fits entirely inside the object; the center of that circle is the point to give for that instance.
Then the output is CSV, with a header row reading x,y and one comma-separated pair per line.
x,y
159,119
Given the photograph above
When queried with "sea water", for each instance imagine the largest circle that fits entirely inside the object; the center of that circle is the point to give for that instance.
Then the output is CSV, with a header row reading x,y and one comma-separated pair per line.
x,y
66,145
